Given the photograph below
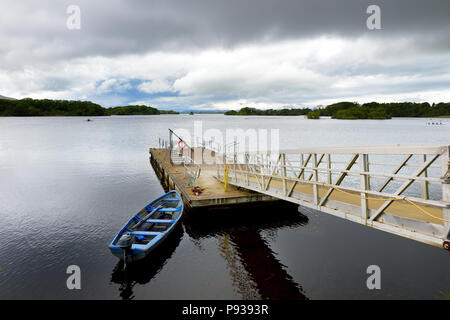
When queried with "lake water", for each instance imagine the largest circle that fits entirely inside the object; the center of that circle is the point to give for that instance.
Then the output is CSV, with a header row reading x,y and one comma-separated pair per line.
x,y
67,186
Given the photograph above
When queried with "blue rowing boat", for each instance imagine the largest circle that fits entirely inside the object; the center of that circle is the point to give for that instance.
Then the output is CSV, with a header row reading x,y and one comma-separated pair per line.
x,y
148,228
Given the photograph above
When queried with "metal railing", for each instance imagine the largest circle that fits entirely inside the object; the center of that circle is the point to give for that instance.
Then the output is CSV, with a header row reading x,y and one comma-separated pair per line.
x,y
403,190
185,158
192,175
162,143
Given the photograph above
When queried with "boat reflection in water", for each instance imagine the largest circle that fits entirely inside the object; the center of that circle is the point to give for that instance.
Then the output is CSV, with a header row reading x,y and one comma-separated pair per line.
x,y
141,272
254,269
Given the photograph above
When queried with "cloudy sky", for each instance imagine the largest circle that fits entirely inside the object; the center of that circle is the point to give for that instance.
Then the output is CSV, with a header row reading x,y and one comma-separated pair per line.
x,y
225,54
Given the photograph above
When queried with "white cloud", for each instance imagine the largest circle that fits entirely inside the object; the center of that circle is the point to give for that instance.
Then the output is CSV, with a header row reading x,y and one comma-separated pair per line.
x,y
113,84
308,72
156,86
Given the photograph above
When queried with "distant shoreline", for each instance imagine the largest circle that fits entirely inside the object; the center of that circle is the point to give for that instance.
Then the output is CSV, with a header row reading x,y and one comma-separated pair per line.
x,y
46,107
341,110
355,111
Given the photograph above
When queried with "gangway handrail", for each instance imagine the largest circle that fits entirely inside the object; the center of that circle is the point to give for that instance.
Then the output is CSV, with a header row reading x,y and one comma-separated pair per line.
x,y
387,149
399,197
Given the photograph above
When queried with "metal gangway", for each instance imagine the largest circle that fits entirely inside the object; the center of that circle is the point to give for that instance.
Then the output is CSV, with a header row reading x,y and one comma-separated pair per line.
x,y
404,190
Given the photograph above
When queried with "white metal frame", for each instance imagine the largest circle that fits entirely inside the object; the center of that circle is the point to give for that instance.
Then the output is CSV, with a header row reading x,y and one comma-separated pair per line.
x,y
278,175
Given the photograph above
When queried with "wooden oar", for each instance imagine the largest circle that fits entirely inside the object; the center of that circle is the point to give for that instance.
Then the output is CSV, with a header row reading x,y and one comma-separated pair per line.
x,y
146,217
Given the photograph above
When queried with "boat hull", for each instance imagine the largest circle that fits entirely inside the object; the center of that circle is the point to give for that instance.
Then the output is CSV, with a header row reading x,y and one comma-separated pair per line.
x,y
149,227
136,255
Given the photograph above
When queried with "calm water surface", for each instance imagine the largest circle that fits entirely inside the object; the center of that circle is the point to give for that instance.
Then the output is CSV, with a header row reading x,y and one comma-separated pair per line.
x,y
67,186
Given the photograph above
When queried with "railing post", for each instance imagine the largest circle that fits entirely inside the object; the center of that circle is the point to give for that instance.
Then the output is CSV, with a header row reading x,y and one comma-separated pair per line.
x,y
364,167
217,169
316,178
235,159
302,163
329,168
445,160
424,184
246,168
283,170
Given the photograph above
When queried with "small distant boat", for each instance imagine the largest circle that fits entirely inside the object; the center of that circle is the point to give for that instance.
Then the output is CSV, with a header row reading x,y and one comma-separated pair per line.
x,y
148,228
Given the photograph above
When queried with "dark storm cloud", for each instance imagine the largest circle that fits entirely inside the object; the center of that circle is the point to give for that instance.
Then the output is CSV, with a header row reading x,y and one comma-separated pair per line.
x,y
218,22
119,26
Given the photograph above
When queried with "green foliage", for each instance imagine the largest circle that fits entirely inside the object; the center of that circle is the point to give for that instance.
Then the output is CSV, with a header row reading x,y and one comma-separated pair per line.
x,y
270,112
361,112
314,114
132,110
331,109
168,112
46,107
375,110
353,110
411,109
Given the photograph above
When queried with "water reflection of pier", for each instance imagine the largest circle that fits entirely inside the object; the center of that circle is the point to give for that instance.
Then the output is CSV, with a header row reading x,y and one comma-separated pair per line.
x,y
253,266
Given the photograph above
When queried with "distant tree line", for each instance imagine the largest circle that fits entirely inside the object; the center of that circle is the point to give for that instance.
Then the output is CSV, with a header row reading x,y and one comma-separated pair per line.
x,y
270,112
46,107
353,110
137,110
375,110
314,114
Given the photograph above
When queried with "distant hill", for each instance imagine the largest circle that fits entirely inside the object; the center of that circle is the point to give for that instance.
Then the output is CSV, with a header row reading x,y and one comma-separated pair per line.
x,y
136,110
202,111
6,98
353,110
269,112
46,107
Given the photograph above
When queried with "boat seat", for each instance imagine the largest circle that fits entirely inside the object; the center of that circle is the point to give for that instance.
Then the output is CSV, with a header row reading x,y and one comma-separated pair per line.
x,y
168,210
160,221
163,209
145,233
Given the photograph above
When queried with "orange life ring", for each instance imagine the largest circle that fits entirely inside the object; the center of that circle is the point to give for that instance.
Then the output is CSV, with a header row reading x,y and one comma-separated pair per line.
x,y
181,142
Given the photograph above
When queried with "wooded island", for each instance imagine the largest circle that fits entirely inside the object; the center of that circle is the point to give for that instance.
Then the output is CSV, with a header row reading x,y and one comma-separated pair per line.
x,y
47,107
353,110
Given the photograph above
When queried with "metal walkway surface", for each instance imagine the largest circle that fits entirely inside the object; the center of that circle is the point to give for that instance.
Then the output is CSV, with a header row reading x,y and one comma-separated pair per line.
x,y
404,190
